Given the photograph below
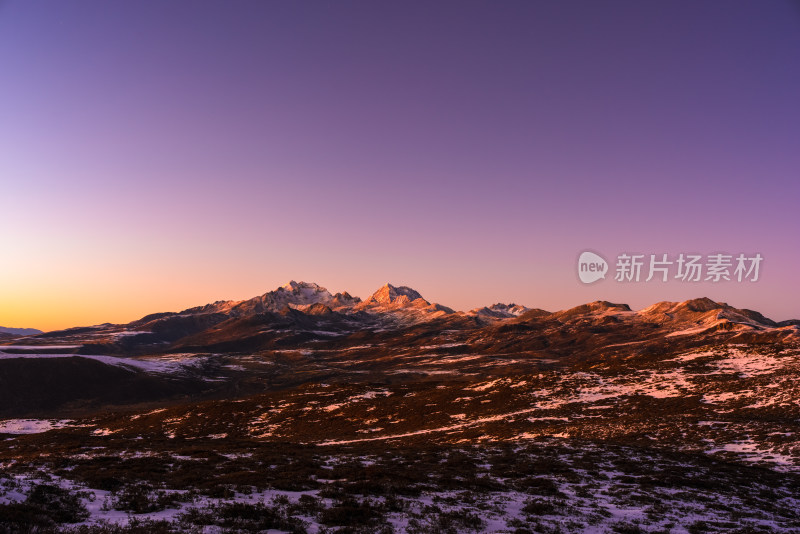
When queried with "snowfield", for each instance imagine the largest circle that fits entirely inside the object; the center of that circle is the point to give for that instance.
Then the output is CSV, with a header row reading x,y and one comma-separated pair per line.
x,y
173,363
31,426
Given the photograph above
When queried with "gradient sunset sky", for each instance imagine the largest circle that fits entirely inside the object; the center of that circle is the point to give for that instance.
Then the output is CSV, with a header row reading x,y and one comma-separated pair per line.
x,y
156,155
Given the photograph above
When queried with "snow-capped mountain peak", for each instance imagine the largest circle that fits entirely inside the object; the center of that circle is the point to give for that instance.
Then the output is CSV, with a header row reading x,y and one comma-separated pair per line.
x,y
500,311
402,301
700,314
294,294
305,291
293,286
389,294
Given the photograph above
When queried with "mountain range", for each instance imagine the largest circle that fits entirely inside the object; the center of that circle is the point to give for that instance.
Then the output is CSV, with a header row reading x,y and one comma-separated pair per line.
x,y
19,331
304,305
303,410
302,333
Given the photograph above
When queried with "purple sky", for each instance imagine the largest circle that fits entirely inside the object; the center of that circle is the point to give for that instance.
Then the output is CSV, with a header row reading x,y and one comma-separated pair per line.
x,y
156,155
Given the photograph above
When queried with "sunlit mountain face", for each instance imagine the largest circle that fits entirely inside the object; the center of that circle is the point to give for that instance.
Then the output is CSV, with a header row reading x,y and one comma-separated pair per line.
x,y
301,410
